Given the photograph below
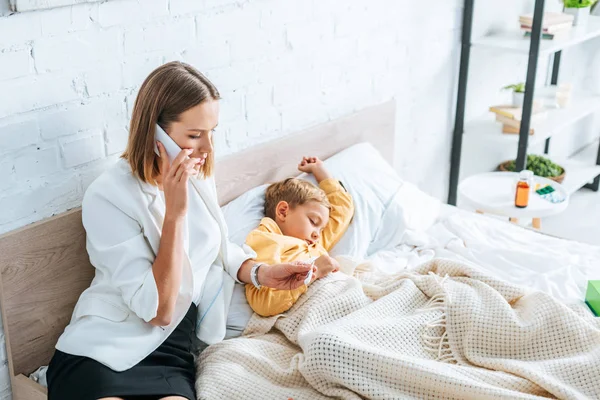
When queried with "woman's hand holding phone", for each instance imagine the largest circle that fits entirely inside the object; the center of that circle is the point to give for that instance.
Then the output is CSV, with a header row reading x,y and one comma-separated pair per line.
x,y
175,178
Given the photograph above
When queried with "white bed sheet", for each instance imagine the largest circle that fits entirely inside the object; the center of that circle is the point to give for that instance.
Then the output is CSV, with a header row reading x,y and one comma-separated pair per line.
x,y
556,266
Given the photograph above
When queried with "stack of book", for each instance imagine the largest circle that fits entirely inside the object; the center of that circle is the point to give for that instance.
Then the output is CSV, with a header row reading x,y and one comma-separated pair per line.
x,y
554,25
510,117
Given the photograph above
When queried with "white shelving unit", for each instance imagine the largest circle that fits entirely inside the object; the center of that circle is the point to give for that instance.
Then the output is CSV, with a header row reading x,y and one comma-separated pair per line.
x,y
484,144
581,168
514,41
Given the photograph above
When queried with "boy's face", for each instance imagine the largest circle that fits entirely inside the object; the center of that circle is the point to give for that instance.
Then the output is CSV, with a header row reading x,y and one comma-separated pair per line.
x,y
303,222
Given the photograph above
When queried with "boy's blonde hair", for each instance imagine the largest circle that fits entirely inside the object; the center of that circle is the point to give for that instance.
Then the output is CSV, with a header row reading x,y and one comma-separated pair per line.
x,y
295,192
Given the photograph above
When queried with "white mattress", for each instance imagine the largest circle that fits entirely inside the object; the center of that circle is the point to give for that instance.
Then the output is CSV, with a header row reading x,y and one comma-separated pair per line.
x,y
557,266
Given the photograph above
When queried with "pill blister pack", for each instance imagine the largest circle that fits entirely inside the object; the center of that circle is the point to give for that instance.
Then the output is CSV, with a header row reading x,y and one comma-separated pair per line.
x,y
550,194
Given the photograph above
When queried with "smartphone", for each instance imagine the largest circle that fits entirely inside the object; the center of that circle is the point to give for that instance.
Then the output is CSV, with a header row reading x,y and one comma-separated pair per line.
x,y
170,146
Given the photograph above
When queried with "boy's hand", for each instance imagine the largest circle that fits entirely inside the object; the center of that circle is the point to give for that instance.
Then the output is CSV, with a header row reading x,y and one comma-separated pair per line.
x,y
313,165
309,164
325,265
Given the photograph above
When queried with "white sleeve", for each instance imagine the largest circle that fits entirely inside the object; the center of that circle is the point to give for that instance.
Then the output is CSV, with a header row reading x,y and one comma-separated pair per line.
x,y
236,255
117,246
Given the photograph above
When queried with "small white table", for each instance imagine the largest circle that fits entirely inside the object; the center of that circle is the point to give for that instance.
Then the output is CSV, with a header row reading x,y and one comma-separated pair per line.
x,y
494,193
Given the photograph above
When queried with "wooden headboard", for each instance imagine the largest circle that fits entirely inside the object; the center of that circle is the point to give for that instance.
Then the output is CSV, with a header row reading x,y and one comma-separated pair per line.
x,y
278,160
44,267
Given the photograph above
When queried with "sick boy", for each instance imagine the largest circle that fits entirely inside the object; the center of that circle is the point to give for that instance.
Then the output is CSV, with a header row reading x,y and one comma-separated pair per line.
x,y
302,223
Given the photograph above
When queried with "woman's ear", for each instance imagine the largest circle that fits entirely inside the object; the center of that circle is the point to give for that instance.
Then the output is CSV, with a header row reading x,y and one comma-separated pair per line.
x,y
281,211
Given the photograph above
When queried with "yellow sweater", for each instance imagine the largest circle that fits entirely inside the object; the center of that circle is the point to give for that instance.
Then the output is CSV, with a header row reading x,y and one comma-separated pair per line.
x,y
272,247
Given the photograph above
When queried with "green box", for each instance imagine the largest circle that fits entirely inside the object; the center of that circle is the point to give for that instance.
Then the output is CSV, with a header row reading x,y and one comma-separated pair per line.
x,y
592,296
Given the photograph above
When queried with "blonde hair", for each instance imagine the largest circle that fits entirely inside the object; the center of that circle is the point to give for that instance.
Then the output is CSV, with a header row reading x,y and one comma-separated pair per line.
x,y
293,191
167,92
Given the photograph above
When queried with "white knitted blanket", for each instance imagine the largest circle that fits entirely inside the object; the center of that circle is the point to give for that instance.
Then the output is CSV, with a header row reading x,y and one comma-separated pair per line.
x,y
443,330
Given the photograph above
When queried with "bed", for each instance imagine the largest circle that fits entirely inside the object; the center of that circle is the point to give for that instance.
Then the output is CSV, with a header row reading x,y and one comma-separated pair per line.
x,y
45,267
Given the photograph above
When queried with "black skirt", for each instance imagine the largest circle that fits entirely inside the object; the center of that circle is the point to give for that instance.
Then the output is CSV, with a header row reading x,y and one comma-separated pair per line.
x,y
167,371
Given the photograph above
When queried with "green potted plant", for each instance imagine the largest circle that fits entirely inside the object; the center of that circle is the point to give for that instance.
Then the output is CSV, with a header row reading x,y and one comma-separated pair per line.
x,y
580,9
539,165
518,94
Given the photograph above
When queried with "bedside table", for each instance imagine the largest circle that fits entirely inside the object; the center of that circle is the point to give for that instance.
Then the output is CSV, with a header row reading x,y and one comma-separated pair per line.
x,y
494,193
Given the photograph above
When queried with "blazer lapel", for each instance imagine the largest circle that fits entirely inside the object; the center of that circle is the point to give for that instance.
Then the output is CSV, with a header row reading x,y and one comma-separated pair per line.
x,y
205,188
156,210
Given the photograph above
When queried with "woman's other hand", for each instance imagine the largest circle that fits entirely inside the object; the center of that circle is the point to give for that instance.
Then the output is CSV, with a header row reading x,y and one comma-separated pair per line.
x,y
174,179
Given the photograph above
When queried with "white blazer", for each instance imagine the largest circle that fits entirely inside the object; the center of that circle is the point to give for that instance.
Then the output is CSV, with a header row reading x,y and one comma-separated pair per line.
x,y
123,222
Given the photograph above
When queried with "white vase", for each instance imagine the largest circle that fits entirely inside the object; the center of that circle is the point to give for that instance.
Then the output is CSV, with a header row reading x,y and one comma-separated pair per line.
x,y
517,99
581,15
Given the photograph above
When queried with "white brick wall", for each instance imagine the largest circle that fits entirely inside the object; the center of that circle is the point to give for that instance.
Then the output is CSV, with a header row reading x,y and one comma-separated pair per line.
x,y
28,5
69,76
4,7
15,64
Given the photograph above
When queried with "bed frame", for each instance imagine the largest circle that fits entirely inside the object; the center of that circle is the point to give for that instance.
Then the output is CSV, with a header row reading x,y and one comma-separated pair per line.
x,y
44,267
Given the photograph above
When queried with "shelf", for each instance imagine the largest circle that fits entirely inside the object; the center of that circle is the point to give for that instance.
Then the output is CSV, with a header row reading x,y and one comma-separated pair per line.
x,y
581,168
515,41
487,129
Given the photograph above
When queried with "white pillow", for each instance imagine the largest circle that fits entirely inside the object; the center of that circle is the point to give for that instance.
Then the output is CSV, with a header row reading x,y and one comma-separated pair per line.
x,y
244,213
382,212
372,182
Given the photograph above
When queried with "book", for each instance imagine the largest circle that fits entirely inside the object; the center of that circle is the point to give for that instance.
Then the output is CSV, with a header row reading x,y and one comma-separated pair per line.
x,y
507,122
550,36
507,111
550,29
515,113
549,19
513,130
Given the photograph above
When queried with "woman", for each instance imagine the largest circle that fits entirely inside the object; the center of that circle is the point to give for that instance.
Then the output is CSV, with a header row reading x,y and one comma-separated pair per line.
x,y
165,270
